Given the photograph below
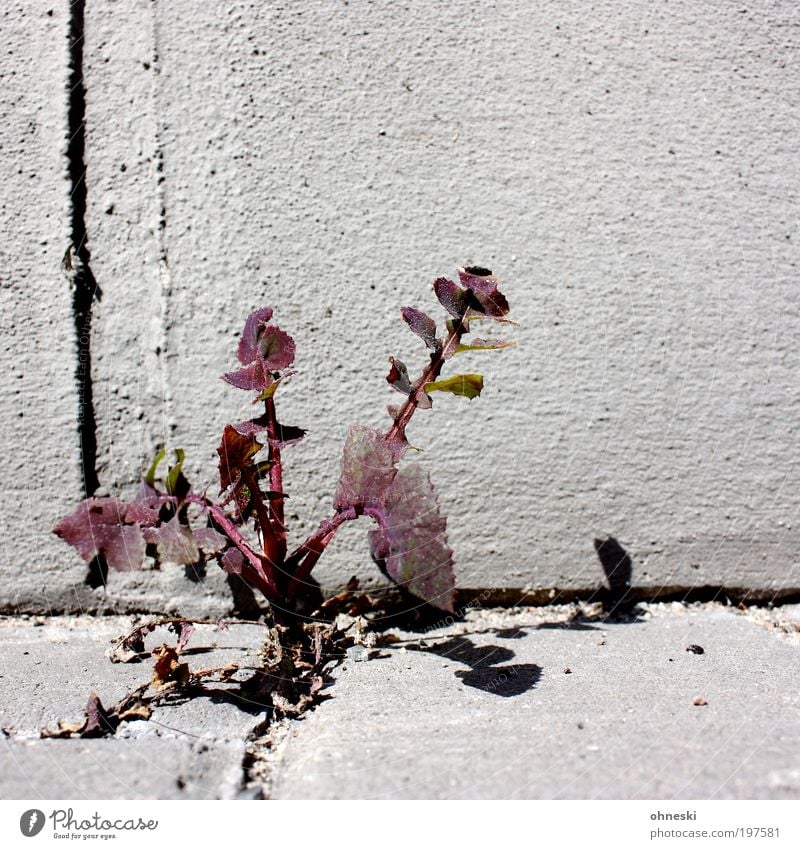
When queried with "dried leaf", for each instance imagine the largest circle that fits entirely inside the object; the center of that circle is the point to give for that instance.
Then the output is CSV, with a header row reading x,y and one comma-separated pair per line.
x,y
98,722
184,634
140,711
168,670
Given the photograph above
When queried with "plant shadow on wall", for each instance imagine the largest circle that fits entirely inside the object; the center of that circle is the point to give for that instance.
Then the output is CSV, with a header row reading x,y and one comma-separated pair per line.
x,y
244,529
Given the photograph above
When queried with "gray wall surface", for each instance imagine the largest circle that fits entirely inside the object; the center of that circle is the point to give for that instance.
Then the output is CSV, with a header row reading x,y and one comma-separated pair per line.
x,y
628,170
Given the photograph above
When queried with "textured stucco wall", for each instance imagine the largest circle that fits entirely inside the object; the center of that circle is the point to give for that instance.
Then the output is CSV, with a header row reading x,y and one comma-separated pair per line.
x,y
39,470
629,171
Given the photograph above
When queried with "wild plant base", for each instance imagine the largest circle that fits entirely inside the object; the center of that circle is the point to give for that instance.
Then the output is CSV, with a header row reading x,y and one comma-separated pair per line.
x,y
172,522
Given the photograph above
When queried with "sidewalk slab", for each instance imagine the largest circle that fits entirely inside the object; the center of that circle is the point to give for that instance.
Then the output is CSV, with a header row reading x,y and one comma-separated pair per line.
x,y
192,749
151,768
679,703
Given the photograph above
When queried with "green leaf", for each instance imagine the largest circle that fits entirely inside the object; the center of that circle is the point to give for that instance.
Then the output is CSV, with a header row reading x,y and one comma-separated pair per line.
x,y
262,469
150,477
269,391
174,475
485,345
468,385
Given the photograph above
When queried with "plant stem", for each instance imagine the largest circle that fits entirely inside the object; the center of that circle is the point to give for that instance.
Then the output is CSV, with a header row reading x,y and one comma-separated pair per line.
x,y
301,562
397,431
270,542
260,571
276,476
303,559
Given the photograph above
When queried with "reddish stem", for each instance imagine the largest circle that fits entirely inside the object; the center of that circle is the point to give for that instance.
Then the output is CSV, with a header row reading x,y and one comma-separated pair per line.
x,y
276,477
270,541
303,559
301,562
397,431
258,571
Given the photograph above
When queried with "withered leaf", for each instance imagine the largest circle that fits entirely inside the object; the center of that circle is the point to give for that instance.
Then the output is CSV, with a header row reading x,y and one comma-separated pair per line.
x,y
168,670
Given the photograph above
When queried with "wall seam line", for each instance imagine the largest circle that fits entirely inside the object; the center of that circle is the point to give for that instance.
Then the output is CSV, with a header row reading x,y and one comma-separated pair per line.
x,y
78,258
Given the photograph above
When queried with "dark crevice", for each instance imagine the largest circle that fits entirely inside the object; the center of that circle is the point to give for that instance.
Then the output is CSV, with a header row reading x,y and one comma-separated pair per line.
x,y
397,614
78,260
511,597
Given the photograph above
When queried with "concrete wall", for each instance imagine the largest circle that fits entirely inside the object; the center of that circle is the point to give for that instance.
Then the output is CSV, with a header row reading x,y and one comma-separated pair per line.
x,y
39,403
629,171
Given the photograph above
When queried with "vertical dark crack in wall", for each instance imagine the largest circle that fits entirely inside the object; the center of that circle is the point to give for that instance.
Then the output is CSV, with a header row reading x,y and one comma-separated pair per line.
x,y
86,289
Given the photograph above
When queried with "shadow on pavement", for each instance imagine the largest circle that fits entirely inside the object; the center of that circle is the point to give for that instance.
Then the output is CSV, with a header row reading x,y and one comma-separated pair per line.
x,y
485,673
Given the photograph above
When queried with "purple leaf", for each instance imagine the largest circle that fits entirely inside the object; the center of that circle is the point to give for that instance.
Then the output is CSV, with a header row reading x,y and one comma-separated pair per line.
x,y
209,541
263,349
424,326
286,434
253,376
478,279
368,468
451,296
411,539
398,377
174,541
233,561
253,326
145,508
97,527
276,348
483,286
236,452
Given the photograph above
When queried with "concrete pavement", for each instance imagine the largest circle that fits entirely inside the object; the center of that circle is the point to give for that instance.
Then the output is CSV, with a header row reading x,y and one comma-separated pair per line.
x,y
673,702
